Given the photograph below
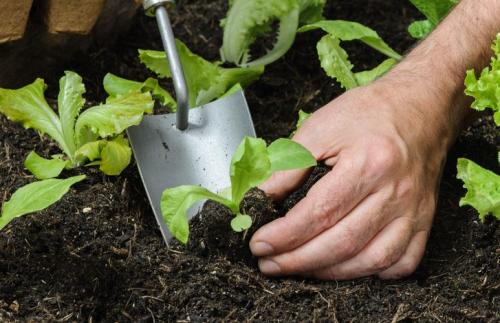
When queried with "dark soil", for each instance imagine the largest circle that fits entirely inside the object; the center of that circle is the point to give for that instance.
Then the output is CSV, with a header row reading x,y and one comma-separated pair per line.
x,y
98,254
213,237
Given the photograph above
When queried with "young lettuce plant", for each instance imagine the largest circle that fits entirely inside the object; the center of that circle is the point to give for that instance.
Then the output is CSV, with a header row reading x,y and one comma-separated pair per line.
x,y
434,11
483,186
95,135
248,20
252,164
35,197
334,59
206,81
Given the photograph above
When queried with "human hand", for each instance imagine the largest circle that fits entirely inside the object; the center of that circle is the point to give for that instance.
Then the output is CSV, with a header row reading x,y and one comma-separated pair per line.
x,y
372,213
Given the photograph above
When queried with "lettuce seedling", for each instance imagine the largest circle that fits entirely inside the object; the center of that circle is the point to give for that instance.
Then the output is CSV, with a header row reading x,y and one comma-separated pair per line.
x,y
434,11
252,164
483,186
334,59
206,81
95,135
36,197
248,20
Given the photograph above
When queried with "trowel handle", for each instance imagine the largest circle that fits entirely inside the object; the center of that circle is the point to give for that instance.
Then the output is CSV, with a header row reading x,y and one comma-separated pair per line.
x,y
168,39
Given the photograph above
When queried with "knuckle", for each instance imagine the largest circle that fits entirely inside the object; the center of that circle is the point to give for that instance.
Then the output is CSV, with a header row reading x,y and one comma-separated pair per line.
x,y
322,211
348,246
384,155
402,269
404,189
384,260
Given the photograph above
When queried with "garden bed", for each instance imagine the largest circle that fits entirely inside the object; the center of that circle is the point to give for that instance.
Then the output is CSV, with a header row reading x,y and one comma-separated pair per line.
x,y
98,254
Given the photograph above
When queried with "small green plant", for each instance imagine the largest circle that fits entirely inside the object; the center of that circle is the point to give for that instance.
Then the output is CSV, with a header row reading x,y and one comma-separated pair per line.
x,y
434,11
335,60
248,20
92,137
483,186
95,135
252,164
206,81
35,197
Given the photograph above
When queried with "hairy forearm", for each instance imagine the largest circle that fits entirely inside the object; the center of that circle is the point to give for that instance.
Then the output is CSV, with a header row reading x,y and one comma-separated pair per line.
x,y
434,71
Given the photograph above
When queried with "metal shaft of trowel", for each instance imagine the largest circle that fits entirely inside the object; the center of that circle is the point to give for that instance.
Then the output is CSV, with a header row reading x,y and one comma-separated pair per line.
x,y
181,90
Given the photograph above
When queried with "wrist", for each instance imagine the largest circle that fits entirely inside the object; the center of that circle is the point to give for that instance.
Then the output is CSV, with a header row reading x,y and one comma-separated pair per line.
x,y
420,115
430,80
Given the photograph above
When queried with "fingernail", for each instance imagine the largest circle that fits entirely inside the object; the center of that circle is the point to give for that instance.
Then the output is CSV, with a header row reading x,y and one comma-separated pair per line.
x,y
260,249
269,267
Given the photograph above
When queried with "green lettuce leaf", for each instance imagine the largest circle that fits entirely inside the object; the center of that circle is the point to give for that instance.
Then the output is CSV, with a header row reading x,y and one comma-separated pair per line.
x,y
117,86
247,20
175,203
253,163
250,167
36,197
114,117
420,29
434,11
206,81
226,81
90,151
286,36
349,30
44,168
483,188
115,156
486,89
70,101
286,154
335,62
232,90
366,77
311,11
28,106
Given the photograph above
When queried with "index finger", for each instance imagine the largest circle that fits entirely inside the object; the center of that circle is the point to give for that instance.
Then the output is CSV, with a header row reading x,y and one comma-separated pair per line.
x,y
329,200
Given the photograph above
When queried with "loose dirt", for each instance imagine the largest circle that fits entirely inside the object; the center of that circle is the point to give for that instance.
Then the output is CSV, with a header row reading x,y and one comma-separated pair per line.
x,y
98,254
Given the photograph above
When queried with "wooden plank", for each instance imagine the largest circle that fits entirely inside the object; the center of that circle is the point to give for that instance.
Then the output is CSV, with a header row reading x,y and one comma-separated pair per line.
x,y
72,16
13,18
43,54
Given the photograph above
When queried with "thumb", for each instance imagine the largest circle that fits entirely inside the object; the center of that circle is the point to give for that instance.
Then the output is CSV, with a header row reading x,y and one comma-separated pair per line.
x,y
283,183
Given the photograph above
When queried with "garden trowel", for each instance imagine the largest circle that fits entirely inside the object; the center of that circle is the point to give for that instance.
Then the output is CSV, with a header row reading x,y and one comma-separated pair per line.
x,y
190,147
